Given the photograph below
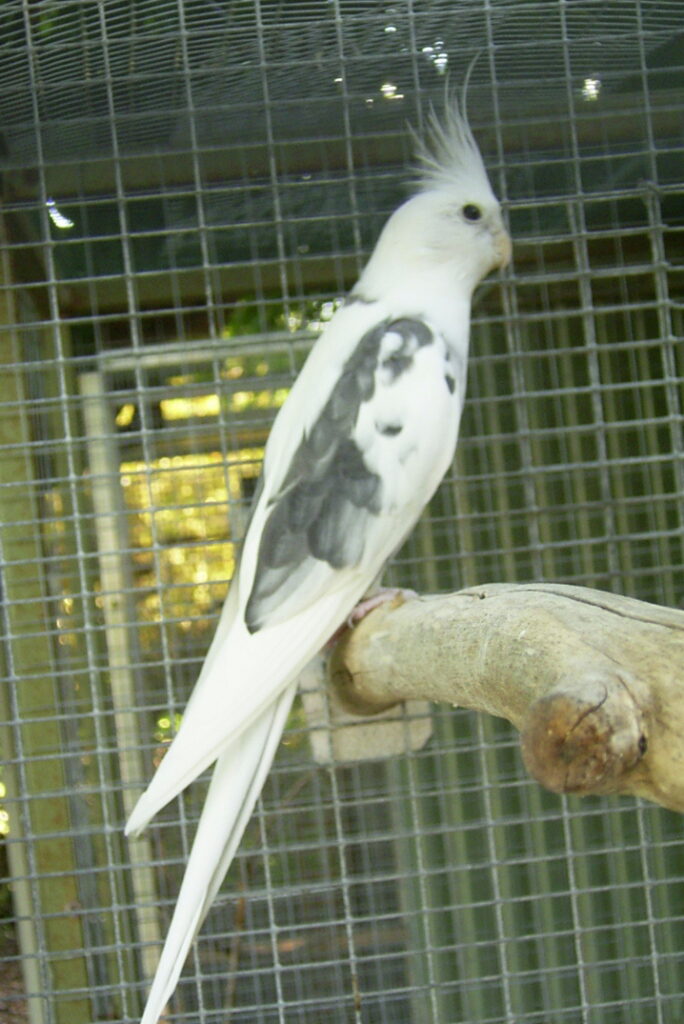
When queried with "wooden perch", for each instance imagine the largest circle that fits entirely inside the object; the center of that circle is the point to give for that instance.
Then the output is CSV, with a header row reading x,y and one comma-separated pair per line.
x,y
593,681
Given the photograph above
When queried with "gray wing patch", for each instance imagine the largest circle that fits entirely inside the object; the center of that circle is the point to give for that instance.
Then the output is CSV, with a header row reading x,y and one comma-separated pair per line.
x,y
328,491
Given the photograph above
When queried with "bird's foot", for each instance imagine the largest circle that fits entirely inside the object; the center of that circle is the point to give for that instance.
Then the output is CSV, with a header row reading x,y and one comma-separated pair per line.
x,y
367,605
383,595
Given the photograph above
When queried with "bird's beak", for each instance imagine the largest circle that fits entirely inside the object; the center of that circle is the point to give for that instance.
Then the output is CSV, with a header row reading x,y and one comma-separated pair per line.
x,y
502,248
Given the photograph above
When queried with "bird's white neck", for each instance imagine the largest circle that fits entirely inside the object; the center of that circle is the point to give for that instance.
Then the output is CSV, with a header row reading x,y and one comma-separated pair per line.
x,y
434,293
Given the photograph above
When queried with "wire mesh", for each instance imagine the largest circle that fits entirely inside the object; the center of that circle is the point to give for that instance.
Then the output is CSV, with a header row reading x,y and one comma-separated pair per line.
x,y
188,189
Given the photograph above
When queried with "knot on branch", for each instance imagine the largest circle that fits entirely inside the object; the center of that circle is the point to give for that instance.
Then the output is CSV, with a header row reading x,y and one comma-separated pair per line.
x,y
583,736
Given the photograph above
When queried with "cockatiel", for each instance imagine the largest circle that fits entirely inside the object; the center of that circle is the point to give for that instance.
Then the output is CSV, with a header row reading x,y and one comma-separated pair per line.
x,y
356,452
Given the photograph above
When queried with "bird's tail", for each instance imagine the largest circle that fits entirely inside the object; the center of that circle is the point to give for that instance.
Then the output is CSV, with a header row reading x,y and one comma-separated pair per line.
x,y
236,783
241,677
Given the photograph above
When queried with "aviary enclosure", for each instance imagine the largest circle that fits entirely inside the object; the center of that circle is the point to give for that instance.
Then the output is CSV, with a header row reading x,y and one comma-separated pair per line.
x,y
188,189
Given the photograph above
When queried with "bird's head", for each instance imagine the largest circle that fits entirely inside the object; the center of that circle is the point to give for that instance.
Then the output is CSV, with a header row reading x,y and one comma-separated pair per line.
x,y
453,225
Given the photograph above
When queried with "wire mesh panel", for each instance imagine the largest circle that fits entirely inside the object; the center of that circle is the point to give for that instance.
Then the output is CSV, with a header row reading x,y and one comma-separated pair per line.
x,y
188,190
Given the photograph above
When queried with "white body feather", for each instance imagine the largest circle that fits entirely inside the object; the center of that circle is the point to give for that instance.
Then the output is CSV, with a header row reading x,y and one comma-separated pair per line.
x,y
411,310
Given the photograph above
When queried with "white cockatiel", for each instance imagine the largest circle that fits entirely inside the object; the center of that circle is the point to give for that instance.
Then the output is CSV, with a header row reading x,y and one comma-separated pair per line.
x,y
356,452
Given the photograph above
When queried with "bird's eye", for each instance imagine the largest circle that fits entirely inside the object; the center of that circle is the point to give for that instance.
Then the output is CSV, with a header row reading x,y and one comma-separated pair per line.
x,y
471,212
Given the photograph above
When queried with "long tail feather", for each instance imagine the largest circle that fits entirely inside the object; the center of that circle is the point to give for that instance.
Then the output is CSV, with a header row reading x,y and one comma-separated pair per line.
x,y
262,665
236,783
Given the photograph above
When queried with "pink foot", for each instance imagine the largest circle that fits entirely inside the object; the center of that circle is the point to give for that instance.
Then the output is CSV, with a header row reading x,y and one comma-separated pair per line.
x,y
365,606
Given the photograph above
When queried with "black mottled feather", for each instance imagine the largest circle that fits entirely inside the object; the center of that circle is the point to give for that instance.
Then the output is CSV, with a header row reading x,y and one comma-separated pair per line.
x,y
328,487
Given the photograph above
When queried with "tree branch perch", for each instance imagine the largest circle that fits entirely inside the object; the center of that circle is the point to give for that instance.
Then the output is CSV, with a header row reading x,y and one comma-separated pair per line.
x,y
593,681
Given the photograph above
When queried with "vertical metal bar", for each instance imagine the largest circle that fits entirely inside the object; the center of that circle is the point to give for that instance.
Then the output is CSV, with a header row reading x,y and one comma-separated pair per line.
x,y
21,854
674,403
272,917
348,149
411,18
112,542
272,162
455,817
467,552
673,384
497,871
197,174
512,320
584,561
577,924
425,901
356,994
576,217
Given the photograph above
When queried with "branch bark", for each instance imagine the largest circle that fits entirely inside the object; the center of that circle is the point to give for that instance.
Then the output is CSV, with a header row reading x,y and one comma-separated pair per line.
x,y
593,681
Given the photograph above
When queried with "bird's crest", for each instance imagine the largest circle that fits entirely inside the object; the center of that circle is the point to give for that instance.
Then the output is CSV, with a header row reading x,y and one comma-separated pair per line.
x,y
450,152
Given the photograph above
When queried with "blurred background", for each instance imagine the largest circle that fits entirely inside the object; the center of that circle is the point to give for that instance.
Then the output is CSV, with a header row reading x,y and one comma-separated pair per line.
x,y
188,189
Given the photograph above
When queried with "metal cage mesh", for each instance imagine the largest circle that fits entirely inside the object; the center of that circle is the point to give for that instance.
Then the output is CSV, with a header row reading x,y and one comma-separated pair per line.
x,y
188,187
